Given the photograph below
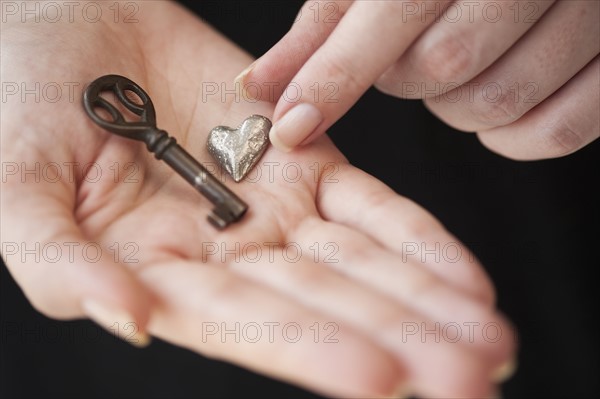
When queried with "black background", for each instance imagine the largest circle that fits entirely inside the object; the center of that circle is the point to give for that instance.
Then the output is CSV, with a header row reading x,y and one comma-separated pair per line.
x,y
533,225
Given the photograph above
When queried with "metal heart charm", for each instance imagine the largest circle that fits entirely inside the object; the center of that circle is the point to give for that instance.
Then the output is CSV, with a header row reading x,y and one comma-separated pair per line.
x,y
238,150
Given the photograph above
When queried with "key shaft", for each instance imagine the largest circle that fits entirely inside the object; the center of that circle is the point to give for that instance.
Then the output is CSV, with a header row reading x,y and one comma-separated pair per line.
x,y
228,208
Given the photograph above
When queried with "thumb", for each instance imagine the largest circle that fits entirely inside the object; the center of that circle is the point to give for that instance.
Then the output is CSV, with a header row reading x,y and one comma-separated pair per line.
x,y
63,273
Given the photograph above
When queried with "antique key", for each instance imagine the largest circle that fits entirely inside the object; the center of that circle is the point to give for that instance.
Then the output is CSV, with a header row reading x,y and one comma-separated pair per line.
x,y
228,207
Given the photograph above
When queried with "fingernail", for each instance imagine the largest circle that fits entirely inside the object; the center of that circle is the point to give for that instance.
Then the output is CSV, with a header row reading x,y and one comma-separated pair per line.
x,y
295,126
505,371
116,321
240,82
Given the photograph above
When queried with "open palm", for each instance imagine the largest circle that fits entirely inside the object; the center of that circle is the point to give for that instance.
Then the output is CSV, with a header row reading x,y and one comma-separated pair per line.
x,y
323,283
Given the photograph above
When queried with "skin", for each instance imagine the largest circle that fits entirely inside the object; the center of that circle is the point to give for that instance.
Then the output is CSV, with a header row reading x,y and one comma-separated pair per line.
x,y
522,74
174,285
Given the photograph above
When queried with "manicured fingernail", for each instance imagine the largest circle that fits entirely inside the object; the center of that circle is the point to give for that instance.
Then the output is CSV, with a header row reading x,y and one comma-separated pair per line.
x,y
504,372
116,321
295,126
240,82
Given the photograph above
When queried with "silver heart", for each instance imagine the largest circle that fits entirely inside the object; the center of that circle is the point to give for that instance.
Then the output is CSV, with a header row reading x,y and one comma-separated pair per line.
x,y
238,150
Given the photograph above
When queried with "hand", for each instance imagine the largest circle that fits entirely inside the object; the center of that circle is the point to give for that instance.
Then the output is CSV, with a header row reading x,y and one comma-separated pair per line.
x,y
126,241
523,74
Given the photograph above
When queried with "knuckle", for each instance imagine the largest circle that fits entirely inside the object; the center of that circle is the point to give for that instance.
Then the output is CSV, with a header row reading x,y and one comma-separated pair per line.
x,y
498,109
450,60
342,72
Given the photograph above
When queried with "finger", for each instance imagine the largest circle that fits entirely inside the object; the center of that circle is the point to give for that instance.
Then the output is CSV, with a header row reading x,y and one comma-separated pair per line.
x,y
415,287
467,39
267,77
203,305
561,125
368,39
404,227
436,366
565,40
63,273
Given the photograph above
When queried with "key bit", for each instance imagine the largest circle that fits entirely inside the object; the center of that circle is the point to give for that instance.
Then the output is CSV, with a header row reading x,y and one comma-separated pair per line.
x,y
228,207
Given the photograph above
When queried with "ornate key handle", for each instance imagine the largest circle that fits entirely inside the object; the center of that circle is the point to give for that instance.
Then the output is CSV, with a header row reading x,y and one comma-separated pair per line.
x,y
118,85
143,130
229,208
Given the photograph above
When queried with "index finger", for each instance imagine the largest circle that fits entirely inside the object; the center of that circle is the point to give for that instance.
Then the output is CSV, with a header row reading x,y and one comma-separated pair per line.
x,y
366,42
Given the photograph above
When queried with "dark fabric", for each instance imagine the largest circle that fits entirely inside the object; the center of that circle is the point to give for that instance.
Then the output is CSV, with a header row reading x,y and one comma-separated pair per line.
x,y
533,225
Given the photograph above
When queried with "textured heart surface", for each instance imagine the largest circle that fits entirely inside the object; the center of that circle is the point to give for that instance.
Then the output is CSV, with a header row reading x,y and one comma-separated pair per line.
x,y
238,150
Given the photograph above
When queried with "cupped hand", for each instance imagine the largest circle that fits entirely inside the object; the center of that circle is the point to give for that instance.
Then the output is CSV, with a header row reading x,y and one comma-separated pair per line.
x,y
331,281
523,74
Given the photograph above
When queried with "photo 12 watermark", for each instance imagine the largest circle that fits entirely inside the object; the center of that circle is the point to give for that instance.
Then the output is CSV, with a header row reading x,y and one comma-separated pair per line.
x,y
451,332
288,172
271,252
38,92
70,252
472,92
253,332
69,172
453,12
252,91
54,12
437,252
